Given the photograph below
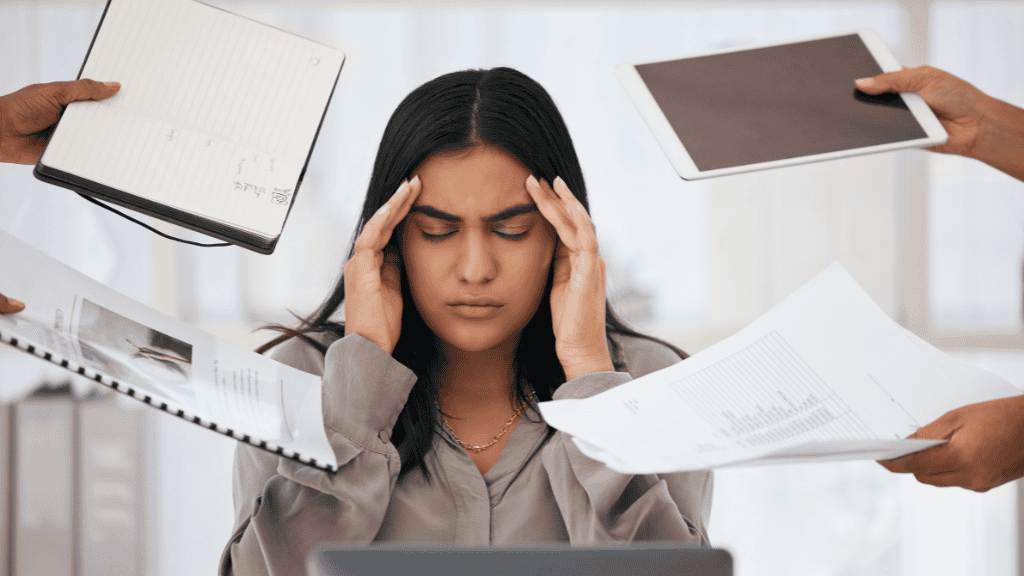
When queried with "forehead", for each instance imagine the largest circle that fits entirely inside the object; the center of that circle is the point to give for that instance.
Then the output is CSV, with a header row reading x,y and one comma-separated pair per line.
x,y
480,182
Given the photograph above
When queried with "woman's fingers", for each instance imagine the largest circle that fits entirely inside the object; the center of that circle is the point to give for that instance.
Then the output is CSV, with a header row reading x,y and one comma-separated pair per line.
x,y
558,205
551,207
578,286
378,229
373,307
572,204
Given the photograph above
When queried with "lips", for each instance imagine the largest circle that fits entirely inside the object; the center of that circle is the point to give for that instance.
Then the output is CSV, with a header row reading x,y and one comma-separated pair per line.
x,y
475,307
476,301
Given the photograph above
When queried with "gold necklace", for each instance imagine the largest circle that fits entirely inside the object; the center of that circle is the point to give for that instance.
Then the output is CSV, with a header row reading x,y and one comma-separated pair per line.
x,y
515,416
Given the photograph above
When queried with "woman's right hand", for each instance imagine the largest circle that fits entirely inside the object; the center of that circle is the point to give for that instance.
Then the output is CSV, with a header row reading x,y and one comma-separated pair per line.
x,y
10,305
373,285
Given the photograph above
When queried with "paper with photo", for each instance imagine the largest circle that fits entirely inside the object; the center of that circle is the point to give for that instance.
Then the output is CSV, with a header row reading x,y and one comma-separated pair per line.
x,y
825,375
182,369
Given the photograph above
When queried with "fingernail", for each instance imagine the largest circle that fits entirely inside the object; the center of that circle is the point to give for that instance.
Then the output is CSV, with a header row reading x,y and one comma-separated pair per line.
x,y
532,181
112,84
415,178
864,82
15,303
558,179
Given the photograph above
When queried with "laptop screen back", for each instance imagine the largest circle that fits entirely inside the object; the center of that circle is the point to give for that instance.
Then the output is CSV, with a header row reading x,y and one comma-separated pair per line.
x,y
645,560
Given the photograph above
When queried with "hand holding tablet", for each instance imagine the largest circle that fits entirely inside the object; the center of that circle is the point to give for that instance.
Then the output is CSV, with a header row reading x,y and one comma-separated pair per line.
x,y
957,104
740,110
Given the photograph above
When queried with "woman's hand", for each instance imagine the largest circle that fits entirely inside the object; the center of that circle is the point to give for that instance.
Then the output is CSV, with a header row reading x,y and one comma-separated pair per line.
x,y
10,305
578,286
373,288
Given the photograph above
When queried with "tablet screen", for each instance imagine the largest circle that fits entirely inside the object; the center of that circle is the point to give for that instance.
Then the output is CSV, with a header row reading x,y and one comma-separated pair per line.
x,y
774,103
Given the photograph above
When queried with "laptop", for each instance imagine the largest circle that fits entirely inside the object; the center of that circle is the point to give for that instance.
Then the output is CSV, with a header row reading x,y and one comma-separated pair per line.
x,y
660,559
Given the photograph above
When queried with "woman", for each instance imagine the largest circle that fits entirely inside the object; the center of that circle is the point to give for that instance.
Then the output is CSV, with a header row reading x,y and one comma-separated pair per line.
x,y
473,290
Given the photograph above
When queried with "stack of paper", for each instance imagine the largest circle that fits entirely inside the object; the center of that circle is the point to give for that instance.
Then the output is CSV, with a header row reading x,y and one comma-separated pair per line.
x,y
825,375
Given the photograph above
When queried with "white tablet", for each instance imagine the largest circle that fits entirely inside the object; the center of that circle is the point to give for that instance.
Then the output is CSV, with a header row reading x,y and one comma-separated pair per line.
x,y
753,108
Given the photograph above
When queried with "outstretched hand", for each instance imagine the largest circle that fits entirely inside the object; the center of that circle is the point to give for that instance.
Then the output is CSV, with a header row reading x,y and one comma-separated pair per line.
x,y
979,126
958,105
10,305
984,448
28,115
578,283
373,289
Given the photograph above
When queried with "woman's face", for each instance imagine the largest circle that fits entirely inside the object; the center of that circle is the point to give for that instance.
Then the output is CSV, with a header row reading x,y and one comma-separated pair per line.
x,y
477,252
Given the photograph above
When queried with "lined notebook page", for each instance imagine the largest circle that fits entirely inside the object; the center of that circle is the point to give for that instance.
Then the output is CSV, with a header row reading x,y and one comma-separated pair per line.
x,y
215,116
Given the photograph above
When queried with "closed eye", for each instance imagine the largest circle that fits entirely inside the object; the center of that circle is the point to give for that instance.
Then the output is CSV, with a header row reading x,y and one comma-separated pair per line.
x,y
508,232
512,232
438,235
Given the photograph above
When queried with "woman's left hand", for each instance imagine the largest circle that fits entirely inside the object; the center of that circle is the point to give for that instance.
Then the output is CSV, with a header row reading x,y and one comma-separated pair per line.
x,y
578,286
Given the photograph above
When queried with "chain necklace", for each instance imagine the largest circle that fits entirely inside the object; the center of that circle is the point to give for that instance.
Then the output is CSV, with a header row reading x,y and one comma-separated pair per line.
x,y
515,416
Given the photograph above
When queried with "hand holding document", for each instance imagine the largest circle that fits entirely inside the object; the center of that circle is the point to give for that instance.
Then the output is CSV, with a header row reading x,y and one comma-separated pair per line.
x,y
825,375
91,330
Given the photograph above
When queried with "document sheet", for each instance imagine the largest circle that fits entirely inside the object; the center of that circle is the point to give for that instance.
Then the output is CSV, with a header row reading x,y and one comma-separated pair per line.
x,y
80,324
824,375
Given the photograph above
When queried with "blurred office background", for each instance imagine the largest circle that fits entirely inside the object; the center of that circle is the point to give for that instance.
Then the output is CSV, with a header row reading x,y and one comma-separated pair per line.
x,y
93,483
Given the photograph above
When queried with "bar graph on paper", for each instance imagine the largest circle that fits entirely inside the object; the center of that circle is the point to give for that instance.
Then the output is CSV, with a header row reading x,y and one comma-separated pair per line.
x,y
765,395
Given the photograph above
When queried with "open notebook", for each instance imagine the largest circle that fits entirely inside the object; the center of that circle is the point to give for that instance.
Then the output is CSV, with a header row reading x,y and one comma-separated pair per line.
x,y
100,334
213,126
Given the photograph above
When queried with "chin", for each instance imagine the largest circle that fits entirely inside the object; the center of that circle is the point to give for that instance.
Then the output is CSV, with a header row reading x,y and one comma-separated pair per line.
x,y
473,338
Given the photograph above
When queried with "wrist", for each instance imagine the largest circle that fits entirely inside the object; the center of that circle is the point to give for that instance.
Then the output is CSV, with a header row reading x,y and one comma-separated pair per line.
x,y
585,359
1000,141
584,366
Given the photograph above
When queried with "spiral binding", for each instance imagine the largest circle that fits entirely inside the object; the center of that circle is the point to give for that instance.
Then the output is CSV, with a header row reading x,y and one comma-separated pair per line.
x,y
172,410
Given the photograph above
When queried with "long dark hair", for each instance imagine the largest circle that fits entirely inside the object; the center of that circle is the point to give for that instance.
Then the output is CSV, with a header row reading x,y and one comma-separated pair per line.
x,y
501,107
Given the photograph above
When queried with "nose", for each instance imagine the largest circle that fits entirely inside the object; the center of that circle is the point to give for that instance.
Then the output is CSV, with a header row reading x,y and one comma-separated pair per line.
x,y
478,263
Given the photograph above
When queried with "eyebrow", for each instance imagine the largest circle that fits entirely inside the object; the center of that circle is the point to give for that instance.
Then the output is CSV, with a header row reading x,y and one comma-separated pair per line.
x,y
503,215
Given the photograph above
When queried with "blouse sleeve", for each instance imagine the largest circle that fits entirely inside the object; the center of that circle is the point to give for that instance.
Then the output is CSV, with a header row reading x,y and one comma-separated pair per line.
x,y
283,508
603,506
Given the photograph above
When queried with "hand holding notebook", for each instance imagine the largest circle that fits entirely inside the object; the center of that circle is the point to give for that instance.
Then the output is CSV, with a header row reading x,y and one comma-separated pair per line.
x,y
214,124
28,115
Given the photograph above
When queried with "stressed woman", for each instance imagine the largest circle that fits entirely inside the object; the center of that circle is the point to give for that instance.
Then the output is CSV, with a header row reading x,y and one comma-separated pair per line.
x,y
473,290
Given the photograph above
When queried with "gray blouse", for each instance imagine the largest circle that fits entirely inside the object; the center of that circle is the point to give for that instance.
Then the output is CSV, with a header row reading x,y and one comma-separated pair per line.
x,y
542,489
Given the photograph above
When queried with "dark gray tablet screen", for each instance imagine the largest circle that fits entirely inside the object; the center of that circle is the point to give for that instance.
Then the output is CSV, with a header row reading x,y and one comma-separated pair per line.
x,y
775,103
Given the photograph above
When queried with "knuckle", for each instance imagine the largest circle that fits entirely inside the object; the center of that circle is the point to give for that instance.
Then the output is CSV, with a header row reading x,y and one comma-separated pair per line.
x,y
60,91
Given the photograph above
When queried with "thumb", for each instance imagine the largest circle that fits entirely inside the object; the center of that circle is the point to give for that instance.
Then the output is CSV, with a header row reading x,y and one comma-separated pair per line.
x,y
391,273
80,90
906,80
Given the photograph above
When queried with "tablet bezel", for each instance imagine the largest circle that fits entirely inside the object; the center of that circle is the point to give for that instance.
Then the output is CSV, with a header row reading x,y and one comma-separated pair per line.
x,y
684,164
